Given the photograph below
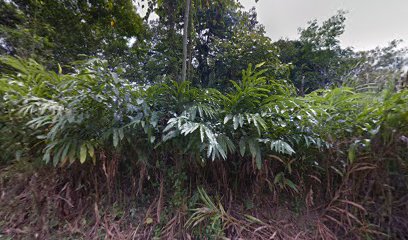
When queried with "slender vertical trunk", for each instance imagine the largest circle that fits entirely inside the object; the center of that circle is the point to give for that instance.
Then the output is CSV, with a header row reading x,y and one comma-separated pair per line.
x,y
190,42
185,40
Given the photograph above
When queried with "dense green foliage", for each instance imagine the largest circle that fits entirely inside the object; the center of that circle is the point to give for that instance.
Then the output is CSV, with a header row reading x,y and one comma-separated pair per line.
x,y
91,113
304,125
72,115
61,31
319,61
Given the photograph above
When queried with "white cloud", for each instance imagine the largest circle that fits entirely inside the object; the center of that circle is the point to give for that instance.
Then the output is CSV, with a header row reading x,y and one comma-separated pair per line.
x,y
370,23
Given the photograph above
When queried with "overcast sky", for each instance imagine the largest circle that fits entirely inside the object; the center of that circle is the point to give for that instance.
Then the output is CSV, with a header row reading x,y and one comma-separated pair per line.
x,y
369,23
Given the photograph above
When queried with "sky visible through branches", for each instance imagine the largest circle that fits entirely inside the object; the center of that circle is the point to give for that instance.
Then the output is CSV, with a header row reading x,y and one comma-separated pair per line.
x,y
369,23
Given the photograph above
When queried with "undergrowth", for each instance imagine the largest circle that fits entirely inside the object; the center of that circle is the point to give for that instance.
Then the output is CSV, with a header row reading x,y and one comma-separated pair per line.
x,y
89,155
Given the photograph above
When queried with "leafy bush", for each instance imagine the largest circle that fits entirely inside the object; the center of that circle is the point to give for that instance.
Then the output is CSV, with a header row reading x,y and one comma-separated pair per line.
x,y
75,114
71,117
257,127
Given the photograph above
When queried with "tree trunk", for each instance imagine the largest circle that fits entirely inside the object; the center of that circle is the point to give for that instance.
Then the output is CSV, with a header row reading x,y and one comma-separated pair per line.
x,y
190,42
185,40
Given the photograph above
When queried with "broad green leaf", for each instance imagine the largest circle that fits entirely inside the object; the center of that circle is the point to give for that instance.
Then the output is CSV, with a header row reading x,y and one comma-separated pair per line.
x,y
291,185
259,65
227,118
82,154
242,146
115,138
59,69
235,121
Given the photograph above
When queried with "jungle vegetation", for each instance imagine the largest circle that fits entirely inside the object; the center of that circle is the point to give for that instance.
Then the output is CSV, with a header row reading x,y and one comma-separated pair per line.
x,y
194,124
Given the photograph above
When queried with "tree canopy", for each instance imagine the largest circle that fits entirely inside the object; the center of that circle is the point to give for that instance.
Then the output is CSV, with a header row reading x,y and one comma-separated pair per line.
x,y
182,119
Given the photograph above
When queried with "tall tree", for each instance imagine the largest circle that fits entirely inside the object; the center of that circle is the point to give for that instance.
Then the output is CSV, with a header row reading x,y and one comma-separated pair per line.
x,y
220,40
185,39
316,58
381,66
68,28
